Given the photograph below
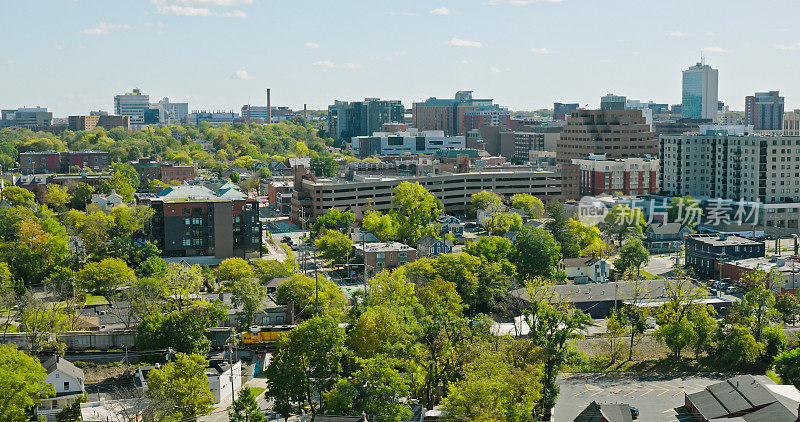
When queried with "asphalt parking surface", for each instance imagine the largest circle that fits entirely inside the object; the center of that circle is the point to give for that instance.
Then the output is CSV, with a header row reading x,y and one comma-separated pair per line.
x,y
658,397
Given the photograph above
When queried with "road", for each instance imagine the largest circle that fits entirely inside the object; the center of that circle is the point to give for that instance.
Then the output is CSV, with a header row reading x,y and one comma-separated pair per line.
x,y
658,398
660,264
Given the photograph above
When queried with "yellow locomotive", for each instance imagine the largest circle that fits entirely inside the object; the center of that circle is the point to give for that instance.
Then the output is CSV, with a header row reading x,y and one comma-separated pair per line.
x,y
265,335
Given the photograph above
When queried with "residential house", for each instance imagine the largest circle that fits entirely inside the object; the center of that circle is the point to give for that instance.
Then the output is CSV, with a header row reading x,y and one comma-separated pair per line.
x,y
429,246
358,235
384,255
665,237
107,202
223,378
745,398
450,225
68,382
588,269
605,412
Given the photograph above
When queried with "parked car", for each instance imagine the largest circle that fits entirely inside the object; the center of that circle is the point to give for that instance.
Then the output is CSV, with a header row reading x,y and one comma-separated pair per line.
x,y
286,239
634,413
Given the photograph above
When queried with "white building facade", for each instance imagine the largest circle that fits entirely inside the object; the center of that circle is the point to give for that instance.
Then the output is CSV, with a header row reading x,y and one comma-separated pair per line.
x,y
411,141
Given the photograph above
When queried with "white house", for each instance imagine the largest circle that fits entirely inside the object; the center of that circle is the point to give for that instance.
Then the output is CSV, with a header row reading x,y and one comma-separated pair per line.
x,y
223,379
588,269
107,202
68,381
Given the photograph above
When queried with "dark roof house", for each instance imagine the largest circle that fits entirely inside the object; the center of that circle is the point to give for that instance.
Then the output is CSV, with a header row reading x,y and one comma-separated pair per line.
x,y
745,398
605,412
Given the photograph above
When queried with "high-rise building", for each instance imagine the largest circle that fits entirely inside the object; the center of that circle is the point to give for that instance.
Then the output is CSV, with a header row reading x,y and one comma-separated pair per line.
x,y
133,104
731,165
700,84
764,110
362,118
170,113
791,123
32,118
448,115
629,176
616,133
613,102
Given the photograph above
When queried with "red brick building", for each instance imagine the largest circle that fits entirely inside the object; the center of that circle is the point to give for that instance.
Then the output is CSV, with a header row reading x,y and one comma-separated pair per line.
x,y
36,162
630,176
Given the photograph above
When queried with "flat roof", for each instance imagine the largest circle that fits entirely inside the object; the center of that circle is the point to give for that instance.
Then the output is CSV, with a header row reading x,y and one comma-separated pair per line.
x,y
727,240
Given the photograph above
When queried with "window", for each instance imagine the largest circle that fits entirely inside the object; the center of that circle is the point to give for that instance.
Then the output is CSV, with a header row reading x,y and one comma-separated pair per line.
x,y
187,221
187,242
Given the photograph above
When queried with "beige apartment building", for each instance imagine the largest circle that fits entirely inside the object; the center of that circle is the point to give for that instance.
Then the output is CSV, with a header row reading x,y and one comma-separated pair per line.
x,y
791,123
313,197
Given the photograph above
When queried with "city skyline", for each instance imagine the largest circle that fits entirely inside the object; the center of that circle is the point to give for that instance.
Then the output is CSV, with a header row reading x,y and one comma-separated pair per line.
x,y
525,54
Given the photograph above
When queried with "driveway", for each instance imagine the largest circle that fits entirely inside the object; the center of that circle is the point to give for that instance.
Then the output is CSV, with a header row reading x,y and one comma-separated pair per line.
x,y
659,397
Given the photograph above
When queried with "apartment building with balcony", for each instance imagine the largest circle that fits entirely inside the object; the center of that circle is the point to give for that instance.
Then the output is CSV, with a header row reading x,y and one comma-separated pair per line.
x,y
196,221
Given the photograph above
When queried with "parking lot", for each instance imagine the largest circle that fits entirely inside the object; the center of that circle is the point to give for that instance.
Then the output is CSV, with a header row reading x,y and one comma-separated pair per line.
x,y
658,397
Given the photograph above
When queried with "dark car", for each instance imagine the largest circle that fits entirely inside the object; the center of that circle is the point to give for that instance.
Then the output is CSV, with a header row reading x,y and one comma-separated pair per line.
x,y
634,413
287,239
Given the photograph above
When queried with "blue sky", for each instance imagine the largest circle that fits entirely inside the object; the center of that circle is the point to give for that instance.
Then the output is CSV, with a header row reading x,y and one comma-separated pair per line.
x,y
75,55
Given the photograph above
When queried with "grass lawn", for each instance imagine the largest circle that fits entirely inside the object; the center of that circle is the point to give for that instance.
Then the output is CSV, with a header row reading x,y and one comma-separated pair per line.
x,y
596,364
95,300
257,391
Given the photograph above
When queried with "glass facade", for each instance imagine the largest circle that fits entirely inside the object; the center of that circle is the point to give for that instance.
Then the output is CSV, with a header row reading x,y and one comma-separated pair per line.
x,y
693,94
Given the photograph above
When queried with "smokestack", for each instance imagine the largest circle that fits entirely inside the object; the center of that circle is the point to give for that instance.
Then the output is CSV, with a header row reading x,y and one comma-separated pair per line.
x,y
305,116
269,108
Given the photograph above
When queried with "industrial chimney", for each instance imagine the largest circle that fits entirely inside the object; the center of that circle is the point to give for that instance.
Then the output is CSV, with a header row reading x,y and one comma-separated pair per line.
x,y
269,108
305,116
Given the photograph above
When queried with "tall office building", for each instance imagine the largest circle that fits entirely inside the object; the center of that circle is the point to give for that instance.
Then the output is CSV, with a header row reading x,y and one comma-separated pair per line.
x,y
448,114
700,96
764,110
613,102
134,105
32,118
362,118
170,113
561,111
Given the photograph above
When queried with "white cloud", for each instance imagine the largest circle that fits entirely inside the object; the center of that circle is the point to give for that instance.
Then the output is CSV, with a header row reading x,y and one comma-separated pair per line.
x,y
519,2
200,7
241,74
715,49
440,11
540,50
494,69
784,47
327,64
678,34
410,14
59,47
103,28
465,61
401,53
456,42
311,45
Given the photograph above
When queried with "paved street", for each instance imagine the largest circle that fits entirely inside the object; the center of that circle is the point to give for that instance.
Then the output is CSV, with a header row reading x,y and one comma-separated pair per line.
x,y
658,397
660,264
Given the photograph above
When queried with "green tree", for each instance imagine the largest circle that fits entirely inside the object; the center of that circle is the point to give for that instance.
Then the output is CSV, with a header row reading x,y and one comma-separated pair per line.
x,y
334,246
17,196
383,386
381,225
536,253
532,205
492,248
787,365
234,269
333,220
106,276
245,408
676,334
788,305
703,326
484,199
379,329
551,329
120,183
306,294
248,293
414,211
56,197
622,222
341,398
306,359
739,347
559,227
774,342
72,412
685,210
632,255
267,270
183,384
183,330
324,166
22,382
499,223
81,196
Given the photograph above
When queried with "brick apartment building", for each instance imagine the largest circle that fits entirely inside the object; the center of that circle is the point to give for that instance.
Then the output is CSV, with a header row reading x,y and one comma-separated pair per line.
x,y
105,121
704,252
166,172
630,176
196,221
379,256
35,162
